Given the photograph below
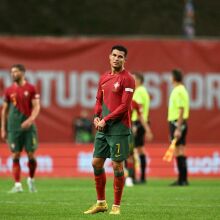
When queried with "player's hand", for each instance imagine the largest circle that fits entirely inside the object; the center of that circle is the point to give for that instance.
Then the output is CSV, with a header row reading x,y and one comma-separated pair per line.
x,y
149,136
26,124
101,124
3,134
134,129
177,133
96,121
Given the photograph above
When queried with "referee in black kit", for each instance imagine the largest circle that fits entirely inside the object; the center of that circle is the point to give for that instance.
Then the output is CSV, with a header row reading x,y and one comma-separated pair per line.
x,y
178,113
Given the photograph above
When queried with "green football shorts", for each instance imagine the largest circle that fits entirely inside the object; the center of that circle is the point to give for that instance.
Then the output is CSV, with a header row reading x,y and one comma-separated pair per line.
x,y
115,147
27,139
131,144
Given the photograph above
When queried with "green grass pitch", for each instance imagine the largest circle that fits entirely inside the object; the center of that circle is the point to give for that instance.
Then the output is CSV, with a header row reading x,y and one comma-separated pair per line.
x,y
68,198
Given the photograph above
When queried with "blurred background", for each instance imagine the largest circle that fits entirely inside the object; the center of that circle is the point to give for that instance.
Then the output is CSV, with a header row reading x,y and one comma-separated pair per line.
x,y
91,18
65,46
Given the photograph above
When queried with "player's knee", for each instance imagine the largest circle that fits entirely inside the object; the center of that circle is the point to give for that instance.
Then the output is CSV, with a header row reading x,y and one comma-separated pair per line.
x,y
180,150
16,156
97,164
117,166
31,156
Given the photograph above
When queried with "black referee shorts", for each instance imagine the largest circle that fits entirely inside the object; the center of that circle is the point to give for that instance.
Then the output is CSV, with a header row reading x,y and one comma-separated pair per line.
x,y
184,129
139,137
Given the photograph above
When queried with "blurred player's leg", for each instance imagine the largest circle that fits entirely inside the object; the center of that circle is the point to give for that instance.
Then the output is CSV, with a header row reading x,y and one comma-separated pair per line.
x,y
139,147
130,168
16,172
182,170
182,167
143,163
129,164
143,167
32,165
16,148
185,171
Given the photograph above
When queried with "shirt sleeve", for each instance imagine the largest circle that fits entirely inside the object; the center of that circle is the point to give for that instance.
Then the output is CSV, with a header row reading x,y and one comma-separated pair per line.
x,y
138,97
180,100
99,100
34,93
128,90
6,96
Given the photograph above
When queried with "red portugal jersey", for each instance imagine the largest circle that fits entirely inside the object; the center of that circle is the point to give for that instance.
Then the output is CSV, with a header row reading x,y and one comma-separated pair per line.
x,y
113,102
19,99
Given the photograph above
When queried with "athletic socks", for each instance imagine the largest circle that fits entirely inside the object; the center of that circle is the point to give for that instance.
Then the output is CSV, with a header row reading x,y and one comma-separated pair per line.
x,y
130,168
143,166
182,169
118,185
100,182
32,164
16,170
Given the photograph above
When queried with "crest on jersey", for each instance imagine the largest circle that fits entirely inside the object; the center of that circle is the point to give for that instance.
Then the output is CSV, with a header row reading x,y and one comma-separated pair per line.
x,y
26,93
37,96
13,95
116,85
13,146
13,99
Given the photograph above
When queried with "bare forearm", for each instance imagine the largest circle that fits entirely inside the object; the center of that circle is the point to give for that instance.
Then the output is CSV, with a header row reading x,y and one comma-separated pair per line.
x,y
147,128
3,121
35,113
4,114
143,123
180,119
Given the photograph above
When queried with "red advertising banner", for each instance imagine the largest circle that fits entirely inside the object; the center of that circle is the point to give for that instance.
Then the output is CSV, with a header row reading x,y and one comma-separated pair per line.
x,y
74,160
67,70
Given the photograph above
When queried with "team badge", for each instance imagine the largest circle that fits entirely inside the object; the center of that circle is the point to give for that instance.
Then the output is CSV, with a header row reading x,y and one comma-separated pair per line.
x,y
26,93
13,95
13,99
12,146
116,85
37,96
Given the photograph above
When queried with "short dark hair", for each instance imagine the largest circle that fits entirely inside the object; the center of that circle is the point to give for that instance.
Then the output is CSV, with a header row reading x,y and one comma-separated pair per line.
x,y
21,67
139,76
177,75
120,48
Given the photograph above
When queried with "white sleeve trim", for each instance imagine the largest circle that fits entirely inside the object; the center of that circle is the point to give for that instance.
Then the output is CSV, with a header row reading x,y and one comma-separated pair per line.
x,y
129,90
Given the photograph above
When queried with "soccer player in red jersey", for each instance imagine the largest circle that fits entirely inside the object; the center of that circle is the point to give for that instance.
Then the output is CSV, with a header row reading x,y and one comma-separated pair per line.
x,y
20,109
112,120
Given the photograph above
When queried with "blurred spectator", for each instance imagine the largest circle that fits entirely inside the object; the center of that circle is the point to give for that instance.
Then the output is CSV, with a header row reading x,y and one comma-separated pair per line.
x,y
189,19
83,128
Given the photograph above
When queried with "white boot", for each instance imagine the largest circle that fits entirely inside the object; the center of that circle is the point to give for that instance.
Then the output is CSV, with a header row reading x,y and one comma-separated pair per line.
x,y
31,185
129,182
17,188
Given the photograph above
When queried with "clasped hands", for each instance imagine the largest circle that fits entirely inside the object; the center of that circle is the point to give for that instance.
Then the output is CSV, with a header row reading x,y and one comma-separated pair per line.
x,y
99,124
